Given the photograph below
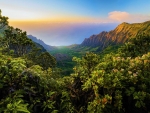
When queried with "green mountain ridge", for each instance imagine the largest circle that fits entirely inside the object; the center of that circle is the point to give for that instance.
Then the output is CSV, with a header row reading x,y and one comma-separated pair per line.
x,y
103,43
47,47
119,35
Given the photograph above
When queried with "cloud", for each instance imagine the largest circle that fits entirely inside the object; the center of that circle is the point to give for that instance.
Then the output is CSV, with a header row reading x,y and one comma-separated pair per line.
x,y
118,16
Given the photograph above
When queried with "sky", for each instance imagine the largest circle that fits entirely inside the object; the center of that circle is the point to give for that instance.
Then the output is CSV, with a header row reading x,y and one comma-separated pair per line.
x,y
65,22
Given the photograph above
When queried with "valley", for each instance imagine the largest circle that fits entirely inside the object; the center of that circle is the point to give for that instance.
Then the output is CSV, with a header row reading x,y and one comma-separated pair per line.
x,y
102,44
108,72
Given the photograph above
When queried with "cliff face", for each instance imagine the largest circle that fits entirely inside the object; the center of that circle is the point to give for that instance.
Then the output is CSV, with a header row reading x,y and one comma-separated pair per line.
x,y
119,35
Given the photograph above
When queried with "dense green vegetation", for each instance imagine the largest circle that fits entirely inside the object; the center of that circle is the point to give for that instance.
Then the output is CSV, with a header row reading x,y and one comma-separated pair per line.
x,y
114,82
64,55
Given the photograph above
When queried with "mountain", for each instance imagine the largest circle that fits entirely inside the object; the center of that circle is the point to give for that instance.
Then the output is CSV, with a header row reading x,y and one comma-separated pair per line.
x,y
119,35
47,47
40,46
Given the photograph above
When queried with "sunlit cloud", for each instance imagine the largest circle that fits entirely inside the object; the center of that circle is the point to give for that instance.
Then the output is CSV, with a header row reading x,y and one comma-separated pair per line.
x,y
118,16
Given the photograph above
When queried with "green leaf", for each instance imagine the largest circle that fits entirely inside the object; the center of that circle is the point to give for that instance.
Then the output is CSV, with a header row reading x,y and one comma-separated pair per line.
x,y
1,85
22,109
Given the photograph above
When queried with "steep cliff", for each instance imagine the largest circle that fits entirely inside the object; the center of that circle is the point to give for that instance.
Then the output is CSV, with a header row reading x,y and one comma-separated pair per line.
x,y
119,35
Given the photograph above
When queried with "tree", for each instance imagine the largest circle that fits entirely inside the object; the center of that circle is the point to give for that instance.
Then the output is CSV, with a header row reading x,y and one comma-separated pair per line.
x,y
3,20
136,46
114,84
46,60
17,40
82,73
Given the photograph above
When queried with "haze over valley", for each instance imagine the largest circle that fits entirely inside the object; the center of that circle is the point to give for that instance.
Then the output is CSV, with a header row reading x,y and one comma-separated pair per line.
x,y
63,34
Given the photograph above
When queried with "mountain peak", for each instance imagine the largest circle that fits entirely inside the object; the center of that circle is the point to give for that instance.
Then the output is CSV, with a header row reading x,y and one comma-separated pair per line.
x,y
119,35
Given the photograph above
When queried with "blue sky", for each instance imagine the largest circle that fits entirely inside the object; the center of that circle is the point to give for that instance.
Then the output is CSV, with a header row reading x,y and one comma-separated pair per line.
x,y
72,10
33,15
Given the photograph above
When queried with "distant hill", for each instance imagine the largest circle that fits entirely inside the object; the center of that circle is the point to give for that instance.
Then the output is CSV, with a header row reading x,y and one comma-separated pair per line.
x,y
119,35
40,46
47,47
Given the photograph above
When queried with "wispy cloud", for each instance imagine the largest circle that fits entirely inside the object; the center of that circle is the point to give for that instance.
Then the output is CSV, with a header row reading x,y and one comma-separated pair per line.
x,y
118,16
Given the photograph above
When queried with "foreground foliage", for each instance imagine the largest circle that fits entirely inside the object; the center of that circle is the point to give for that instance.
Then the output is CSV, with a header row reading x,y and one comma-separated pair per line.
x,y
115,83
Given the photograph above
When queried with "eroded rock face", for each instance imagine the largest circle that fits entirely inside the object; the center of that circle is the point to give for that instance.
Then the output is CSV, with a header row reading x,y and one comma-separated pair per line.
x,y
119,35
